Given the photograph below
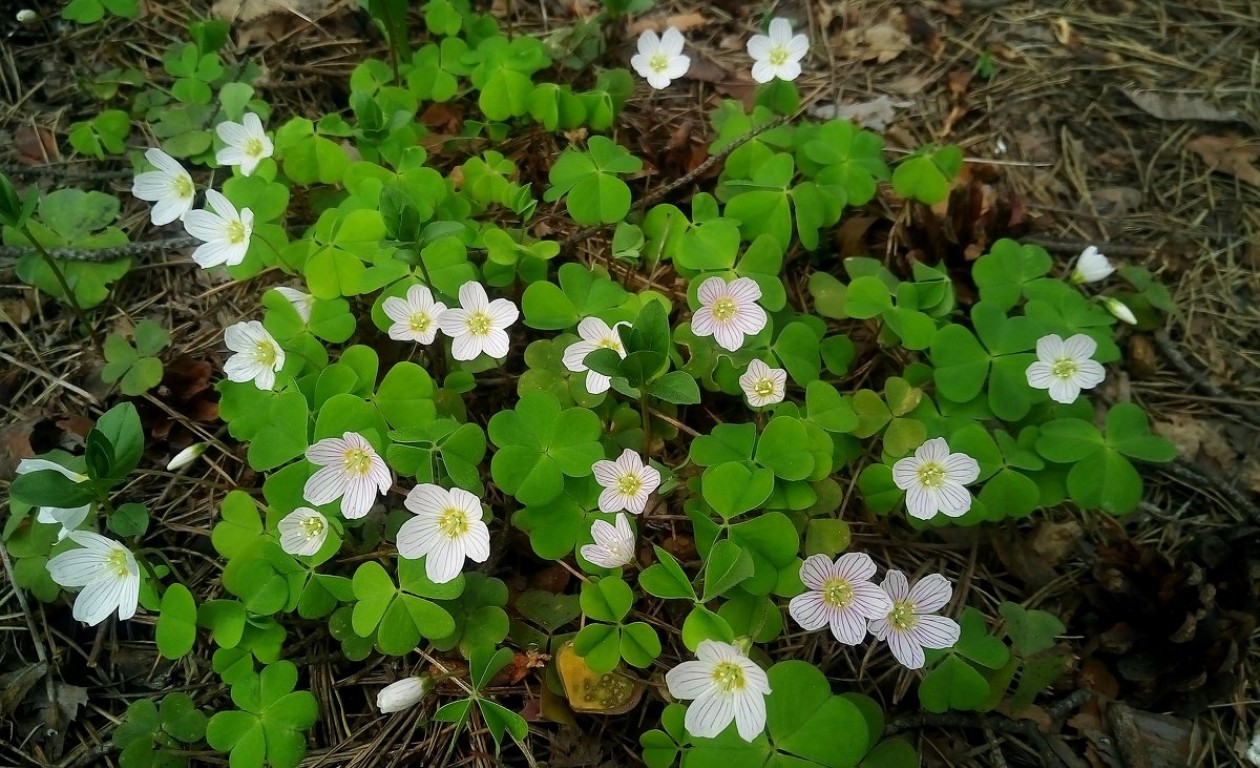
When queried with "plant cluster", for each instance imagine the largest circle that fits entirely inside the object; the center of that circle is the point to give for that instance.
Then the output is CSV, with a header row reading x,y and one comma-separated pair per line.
x,y
552,395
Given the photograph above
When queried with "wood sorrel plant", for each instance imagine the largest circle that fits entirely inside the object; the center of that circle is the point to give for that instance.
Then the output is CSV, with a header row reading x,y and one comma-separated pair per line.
x,y
436,373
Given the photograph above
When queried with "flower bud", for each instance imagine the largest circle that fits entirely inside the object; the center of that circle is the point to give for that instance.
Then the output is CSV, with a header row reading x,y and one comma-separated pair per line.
x,y
1120,310
1091,266
405,693
186,456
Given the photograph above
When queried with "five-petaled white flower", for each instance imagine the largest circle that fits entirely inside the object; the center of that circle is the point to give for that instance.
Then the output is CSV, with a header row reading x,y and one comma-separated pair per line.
x,y
68,518
169,188
933,479
1065,367
627,482
106,570
660,60
762,384
447,528
614,545
416,317
402,694
839,594
351,470
258,357
223,231
595,335
1091,266
478,325
302,531
247,143
779,54
1119,310
728,311
910,626
302,302
726,686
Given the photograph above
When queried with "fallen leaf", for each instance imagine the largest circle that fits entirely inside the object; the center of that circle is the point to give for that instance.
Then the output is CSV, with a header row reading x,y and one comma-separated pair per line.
x,y
1228,154
880,43
1116,201
960,82
16,684
681,21
1178,106
35,145
588,691
242,11
873,114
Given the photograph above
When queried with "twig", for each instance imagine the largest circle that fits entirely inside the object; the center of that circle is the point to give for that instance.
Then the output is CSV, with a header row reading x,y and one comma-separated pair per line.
x,y
65,172
685,179
1201,482
1200,382
103,254
1059,245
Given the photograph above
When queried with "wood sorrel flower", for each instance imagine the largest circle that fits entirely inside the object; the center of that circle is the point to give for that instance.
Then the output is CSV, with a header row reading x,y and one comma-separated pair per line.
x,y
446,529
247,143
106,570
478,325
614,544
660,60
1091,266
596,334
728,311
350,470
762,384
1065,367
779,54
403,694
302,531
726,686
169,188
910,626
933,479
416,317
258,357
839,595
224,232
627,482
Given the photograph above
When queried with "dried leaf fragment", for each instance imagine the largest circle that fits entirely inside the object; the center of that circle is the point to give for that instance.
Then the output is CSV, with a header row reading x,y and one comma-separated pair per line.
x,y
1228,154
1178,106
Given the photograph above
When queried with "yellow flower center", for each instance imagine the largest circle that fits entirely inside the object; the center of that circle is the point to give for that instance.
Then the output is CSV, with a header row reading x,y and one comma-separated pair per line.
x,y
837,593
265,352
183,187
235,232
778,56
479,324
764,388
1064,368
931,475
609,343
659,62
729,676
453,522
254,147
116,563
724,308
357,461
420,322
629,484
902,616
312,526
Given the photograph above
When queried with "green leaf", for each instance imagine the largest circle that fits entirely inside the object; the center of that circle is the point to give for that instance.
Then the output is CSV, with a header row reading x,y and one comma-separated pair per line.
x,y
732,488
1030,631
177,622
666,579
953,684
539,444
926,176
640,645
784,448
1068,440
702,624
826,408
608,599
1105,480
726,566
962,365
1129,432
975,642
675,387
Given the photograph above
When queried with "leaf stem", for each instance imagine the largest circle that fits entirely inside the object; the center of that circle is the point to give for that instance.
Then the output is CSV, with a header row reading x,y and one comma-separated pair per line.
x,y
65,287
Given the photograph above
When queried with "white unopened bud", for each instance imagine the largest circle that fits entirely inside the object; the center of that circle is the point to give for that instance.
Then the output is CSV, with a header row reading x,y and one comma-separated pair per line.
x,y
1091,267
186,456
27,17
405,693
1120,310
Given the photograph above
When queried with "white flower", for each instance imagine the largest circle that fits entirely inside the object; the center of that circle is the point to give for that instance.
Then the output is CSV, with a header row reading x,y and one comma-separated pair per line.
x,y
302,302
416,317
68,517
186,456
933,479
595,335
447,528
302,531
1119,310
169,188
627,483
1064,367
247,143
778,55
1253,749
762,384
106,570
841,595
479,325
661,60
1091,266
910,626
224,233
726,686
405,693
258,357
614,545
728,311
350,470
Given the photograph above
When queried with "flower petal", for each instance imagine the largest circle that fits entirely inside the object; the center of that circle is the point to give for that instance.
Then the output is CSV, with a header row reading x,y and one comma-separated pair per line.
x,y
930,593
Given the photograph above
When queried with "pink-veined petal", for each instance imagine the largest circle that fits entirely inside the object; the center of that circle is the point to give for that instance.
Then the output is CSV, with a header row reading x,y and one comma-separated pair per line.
x,y
709,715
810,611
930,594
1064,391
848,626
711,290
854,566
472,296
896,585
936,632
689,680
905,649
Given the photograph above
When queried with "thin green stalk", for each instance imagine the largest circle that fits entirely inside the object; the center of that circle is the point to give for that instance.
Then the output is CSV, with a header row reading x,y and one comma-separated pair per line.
x,y
65,287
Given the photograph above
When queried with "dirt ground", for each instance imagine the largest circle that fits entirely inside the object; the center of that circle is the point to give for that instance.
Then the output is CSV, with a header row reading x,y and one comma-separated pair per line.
x,y
1129,124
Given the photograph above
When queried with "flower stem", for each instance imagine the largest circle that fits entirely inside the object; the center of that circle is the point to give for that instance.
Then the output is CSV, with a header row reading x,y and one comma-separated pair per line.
x,y
646,414
65,287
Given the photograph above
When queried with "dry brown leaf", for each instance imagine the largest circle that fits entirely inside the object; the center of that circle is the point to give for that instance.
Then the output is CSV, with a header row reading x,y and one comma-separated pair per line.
x,y
1178,106
242,11
1228,154
875,114
682,21
881,43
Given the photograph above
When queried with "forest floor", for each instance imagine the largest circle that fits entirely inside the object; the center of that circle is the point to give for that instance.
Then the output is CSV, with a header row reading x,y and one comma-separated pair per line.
x,y
1128,124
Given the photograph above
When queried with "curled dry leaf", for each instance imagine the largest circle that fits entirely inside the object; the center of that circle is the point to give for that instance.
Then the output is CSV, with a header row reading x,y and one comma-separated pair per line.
x,y
1178,106
881,42
1228,154
874,114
